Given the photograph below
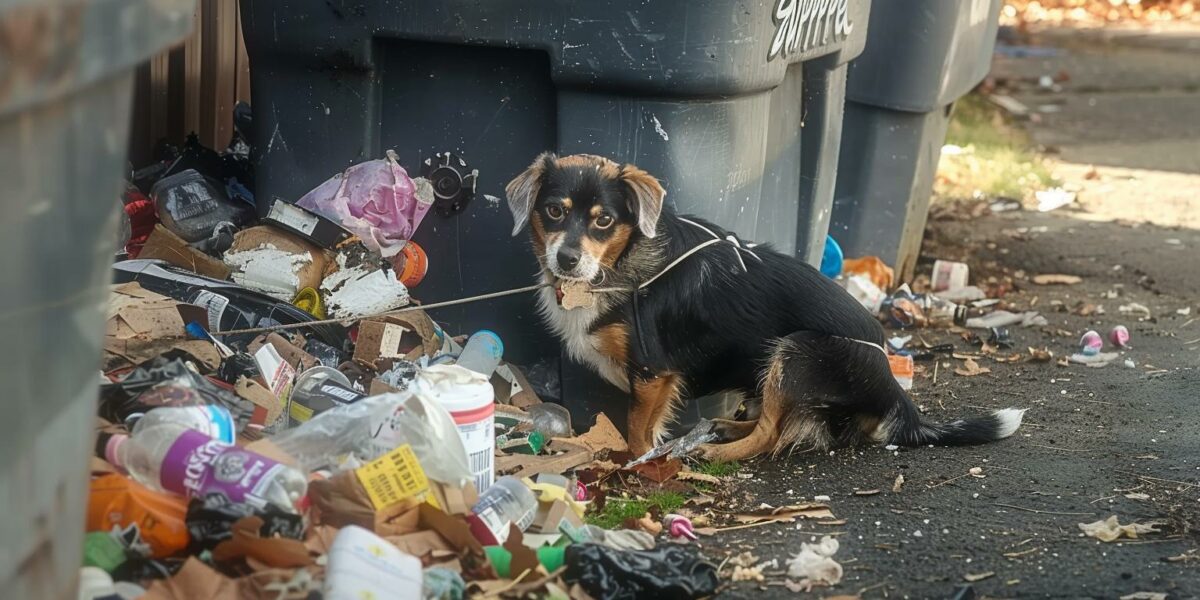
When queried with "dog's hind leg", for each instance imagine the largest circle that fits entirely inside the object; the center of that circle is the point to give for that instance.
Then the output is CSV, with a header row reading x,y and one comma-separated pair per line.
x,y
765,432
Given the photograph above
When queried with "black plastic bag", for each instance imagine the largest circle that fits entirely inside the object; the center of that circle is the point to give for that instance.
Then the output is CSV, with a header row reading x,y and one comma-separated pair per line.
x,y
210,520
241,364
167,381
669,571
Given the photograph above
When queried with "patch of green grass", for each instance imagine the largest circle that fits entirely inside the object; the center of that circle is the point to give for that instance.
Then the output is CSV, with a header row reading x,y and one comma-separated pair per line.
x,y
717,469
617,510
997,157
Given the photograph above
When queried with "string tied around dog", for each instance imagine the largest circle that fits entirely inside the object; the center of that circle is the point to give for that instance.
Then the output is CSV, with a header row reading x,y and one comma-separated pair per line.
x,y
731,239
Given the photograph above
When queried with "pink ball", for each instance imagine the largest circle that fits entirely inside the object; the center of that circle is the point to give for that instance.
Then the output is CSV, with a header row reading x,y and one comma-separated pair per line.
x,y
1091,343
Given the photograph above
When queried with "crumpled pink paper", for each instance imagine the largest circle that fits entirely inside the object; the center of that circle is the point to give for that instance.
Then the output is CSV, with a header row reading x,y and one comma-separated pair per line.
x,y
376,200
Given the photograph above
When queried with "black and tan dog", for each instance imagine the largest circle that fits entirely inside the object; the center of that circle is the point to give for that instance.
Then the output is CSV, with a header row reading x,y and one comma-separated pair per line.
x,y
774,328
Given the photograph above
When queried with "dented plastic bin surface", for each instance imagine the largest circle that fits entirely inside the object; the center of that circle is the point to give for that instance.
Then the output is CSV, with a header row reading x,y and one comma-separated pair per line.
x,y
899,97
67,79
708,95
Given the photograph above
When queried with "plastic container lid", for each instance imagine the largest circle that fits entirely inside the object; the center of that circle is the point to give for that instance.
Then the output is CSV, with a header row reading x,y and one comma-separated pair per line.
x,y
456,388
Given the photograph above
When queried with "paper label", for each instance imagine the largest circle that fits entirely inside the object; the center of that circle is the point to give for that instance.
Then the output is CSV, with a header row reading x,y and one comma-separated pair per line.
x,y
389,342
479,439
293,217
393,477
215,304
197,465
300,413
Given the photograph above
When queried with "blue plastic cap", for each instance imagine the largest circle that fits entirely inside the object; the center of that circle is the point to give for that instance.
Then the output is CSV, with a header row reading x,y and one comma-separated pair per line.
x,y
499,342
831,260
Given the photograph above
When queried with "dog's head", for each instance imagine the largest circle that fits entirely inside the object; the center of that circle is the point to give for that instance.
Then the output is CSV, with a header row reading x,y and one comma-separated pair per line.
x,y
583,211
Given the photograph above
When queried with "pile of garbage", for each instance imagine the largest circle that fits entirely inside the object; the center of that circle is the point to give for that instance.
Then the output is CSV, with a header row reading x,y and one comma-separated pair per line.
x,y
950,302
270,426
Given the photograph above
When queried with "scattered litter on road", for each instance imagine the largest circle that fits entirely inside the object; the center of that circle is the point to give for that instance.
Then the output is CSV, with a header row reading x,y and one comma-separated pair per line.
x,y
1053,199
971,368
1056,279
1091,343
814,566
1119,336
1110,530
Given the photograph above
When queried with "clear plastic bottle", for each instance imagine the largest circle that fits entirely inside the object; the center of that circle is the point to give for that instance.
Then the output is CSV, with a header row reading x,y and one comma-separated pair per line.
x,y
171,457
214,421
482,352
506,501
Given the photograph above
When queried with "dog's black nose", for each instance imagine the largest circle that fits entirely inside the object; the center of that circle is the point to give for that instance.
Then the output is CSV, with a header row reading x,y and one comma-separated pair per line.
x,y
567,258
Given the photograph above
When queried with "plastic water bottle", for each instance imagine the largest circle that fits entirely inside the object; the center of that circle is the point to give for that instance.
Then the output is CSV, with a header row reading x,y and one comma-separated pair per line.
x,y
171,457
482,352
214,421
506,501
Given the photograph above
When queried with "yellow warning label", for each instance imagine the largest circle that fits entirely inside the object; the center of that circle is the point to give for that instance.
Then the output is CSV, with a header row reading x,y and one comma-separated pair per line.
x,y
393,477
300,413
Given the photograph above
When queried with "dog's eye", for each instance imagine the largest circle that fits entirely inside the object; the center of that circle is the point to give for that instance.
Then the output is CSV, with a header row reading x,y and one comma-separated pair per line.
x,y
555,212
604,222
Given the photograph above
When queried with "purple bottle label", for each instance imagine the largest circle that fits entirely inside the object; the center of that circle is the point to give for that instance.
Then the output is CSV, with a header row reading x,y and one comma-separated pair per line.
x,y
198,465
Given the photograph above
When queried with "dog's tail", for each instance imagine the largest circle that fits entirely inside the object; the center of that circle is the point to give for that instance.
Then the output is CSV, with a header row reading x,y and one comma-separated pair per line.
x,y
907,428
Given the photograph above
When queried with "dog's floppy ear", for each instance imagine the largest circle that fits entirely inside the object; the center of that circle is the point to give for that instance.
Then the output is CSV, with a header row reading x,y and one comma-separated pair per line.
x,y
647,194
522,191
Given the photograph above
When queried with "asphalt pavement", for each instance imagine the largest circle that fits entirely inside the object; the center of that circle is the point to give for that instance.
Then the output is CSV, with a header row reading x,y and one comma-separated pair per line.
x,y
1120,440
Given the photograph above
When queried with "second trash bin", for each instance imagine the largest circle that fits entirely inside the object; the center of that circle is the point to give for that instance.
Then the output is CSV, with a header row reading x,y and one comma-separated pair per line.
x,y
735,106
67,71
898,102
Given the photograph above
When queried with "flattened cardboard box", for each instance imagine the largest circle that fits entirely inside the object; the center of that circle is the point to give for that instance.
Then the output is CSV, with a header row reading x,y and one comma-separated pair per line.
x,y
141,325
407,336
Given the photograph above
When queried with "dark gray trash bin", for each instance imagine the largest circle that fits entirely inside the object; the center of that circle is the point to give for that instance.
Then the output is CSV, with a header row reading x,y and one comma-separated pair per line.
x,y
66,71
920,57
708,95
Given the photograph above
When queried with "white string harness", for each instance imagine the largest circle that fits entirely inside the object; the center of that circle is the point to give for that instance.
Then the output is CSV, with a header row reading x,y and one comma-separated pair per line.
x,y
731,239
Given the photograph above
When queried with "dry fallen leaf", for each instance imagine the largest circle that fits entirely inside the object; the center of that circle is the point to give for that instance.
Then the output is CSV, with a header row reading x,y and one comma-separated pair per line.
x,y
1057,279
899,483
1109,530
866,492
686,475
971,368
1145,596
1041,355
973,577
785,513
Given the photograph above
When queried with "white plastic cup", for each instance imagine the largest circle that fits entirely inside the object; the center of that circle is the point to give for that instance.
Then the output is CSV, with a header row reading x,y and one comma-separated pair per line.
x,y
469,398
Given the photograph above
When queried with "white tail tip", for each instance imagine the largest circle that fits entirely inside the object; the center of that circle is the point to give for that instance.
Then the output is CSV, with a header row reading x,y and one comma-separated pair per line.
x,y
1008,420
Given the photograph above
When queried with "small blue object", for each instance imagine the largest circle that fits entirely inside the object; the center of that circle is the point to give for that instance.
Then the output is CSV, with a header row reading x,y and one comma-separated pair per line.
x,y
831,260
197,331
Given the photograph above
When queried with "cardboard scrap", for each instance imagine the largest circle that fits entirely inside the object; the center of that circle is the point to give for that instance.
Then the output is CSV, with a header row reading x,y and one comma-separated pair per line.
x,y
247,543
1110,530
267,408
408,336
164,245
194,581
275,262
142,325
566,455
602,436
